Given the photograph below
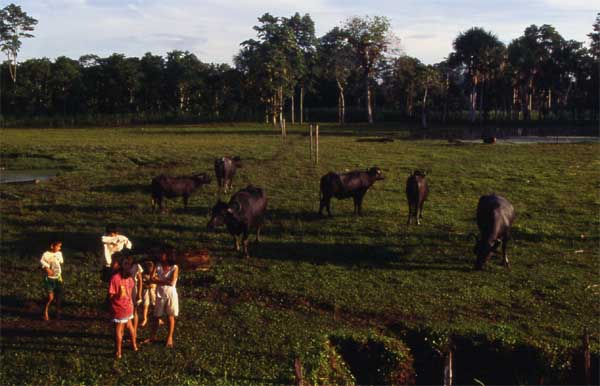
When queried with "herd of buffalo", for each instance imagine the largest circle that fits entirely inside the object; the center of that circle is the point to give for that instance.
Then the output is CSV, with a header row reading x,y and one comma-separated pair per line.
x,y
246,208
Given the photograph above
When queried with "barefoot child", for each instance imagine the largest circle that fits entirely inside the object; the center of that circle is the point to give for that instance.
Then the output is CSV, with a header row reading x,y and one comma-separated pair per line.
x,y
167,300
53,283
135,272
120,294
149,289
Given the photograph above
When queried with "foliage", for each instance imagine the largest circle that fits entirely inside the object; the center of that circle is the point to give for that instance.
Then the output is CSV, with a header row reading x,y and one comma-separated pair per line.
x,y
15,24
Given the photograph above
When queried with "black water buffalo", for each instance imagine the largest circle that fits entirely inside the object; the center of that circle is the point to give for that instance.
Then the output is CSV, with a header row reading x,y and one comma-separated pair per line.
x,y
345,185
417,191
495,216
171,187
225,168
245,210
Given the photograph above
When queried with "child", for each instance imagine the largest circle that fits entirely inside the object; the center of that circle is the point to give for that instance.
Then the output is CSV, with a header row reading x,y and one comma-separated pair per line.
x,y
53,282
120,295
135,272
167,301
112,242
149,294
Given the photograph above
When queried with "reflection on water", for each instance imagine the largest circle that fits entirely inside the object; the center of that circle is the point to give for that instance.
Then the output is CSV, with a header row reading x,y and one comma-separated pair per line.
x,y
11,176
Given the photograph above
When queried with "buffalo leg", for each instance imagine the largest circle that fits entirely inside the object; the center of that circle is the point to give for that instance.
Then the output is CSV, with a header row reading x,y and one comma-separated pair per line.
x,y
420,213
236,243
258,233
245,243
504,255
358,204
325,203
186,199
409,213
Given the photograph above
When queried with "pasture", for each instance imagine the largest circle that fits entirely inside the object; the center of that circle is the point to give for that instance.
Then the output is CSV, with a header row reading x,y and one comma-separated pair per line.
x,y
315,289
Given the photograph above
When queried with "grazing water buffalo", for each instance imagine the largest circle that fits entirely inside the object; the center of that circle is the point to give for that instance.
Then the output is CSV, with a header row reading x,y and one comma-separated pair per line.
x,y
246,210
417,191
495,216
345,185
225,168
171,187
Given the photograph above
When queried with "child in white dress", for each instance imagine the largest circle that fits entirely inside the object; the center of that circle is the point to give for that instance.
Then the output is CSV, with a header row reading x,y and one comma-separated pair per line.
x,y
167,300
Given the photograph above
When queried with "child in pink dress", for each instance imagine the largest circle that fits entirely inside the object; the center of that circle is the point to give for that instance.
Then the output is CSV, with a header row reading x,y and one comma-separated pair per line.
x,y
120,293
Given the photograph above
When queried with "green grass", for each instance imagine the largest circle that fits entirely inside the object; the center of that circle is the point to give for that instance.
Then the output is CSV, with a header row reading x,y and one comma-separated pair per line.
x,y
246,321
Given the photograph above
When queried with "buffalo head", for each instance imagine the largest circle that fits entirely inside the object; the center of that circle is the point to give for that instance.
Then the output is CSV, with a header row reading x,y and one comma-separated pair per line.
x,y
201,178
217,217
484,251
375,173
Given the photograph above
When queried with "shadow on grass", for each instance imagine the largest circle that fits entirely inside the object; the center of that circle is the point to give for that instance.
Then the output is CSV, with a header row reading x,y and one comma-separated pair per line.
x,y
123,188
338,254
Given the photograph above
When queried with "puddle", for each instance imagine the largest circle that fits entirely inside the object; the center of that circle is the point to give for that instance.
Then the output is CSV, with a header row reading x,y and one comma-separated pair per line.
x,y
23,176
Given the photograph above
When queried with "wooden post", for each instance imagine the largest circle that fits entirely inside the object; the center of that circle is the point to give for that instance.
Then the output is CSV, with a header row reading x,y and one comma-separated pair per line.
x,y
448,368
282,127
317,144
310,147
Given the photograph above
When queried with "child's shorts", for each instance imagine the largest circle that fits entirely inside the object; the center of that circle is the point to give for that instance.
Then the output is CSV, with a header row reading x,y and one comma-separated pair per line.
x,y
149,295
124,320
167,305
53,285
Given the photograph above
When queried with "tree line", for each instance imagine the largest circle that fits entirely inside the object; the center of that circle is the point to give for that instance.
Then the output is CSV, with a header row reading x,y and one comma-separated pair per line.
x,y
355,72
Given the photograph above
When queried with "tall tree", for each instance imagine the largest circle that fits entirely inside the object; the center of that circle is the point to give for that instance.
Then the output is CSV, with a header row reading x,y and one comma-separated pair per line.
x,y
370,39
595,38
15,24
478,51
336,62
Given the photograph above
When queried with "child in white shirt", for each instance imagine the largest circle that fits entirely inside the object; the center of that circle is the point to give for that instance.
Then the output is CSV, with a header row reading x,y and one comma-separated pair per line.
x,y
112,242
53,282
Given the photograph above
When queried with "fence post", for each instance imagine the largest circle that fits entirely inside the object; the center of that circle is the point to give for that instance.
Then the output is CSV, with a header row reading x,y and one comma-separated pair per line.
x,y
310,146
317,144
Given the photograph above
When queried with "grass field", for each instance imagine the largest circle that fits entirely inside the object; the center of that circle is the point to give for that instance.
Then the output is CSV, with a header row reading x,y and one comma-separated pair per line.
x,y
353,299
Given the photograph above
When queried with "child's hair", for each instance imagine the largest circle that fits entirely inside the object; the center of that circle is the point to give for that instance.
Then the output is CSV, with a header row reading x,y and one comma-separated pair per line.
x,y
55,241
169,251
111,228
148,265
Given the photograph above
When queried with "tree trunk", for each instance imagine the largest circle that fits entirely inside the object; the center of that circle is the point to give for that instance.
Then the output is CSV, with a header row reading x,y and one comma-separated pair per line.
x,y
473,100
301,104
369,108
293,117
424,110
280,107
341,104
481,112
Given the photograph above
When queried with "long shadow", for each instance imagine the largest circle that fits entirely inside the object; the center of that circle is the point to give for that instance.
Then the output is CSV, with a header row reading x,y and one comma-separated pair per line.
x,y
266,132
123,188
108,351
338,254
41,333
36,242
91,209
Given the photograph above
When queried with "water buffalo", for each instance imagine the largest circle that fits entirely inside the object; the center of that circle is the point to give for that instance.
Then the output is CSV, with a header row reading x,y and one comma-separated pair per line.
x,y
245,210
225,168
171,187
345,185
495,216
417,191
